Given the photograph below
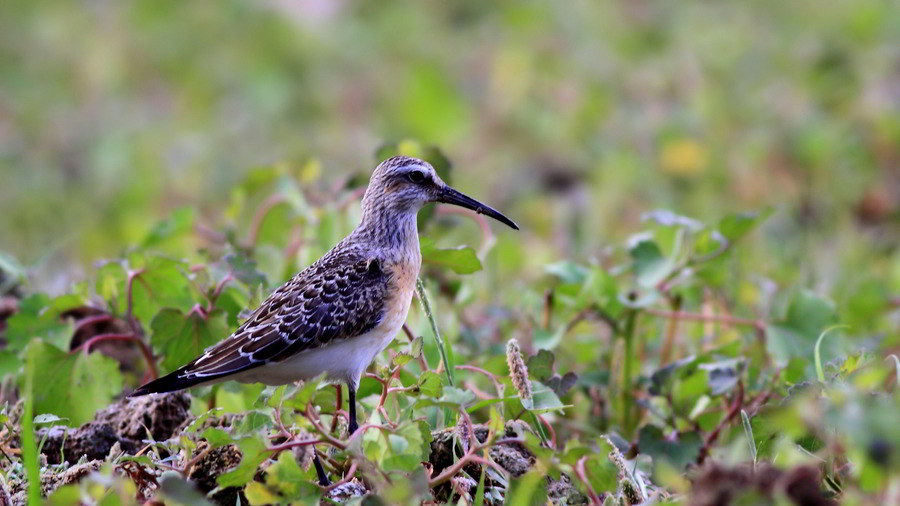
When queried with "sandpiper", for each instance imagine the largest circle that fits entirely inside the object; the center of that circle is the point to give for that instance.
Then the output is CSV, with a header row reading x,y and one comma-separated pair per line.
x,y
338,313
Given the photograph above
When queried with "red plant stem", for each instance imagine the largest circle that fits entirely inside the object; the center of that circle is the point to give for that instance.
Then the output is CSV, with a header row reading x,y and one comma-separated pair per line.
x,y
294,444
409,335
129,292
218,291
582,476
732,320
493,377
550,430
486,233
100,318
711,438
314,420
345,479
260,215
145,350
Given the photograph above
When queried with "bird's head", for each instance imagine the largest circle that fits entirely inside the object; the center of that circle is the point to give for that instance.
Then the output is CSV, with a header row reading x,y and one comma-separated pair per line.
x,y
403,185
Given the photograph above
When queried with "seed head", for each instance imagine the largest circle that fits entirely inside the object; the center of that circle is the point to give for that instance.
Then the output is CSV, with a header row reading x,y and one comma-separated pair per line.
x,y
518,372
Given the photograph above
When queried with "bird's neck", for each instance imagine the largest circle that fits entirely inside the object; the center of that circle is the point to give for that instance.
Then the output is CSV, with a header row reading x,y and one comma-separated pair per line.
x,y
393,235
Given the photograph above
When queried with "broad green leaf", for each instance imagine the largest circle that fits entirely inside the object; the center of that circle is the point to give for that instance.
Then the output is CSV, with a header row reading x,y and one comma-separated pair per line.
x,y
544,399
39,316
735,226
540,366
650,265
601,472
162,284
430,384
723,375
461,260
244,269
668,218
562,384
568,272
179,491
182,338
529,489
73,385
451,398
286,482
253,453
679,451
795,336
179,224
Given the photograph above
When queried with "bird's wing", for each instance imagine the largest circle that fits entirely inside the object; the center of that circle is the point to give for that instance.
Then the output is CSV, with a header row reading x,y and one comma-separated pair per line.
x,y
339,297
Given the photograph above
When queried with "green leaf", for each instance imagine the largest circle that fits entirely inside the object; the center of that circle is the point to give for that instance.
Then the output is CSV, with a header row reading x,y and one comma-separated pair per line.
x,y
180,223
162,284
735,226
11,272
650,265
723,375
217,437
244,269
72,385
286,482
562,384
544,339
461,260
544,399
253,453
668,218
795,335
40,316
179,491
680,451
568,272
182,338
430,384
529,489
540,366
599,469
452,398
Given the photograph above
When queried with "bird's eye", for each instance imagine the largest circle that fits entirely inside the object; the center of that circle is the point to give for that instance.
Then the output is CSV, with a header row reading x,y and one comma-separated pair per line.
x,y
416,176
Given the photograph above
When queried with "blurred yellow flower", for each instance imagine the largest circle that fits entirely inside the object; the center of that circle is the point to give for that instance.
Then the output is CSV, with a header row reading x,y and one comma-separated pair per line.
x,y
683,157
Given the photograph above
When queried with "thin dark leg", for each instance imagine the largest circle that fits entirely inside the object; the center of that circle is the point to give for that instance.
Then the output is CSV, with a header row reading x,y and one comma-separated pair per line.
x,y
352,408
320,470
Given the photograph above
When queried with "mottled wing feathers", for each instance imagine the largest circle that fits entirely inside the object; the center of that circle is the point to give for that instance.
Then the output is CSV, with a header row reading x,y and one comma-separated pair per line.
x,y
341,296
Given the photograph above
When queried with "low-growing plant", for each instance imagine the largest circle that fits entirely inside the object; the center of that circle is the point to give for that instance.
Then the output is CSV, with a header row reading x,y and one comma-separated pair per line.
x,y
653,374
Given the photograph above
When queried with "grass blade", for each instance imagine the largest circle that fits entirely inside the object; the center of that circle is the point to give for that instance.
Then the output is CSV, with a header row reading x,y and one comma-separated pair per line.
x,y
820,373
29,445
426,307
748,431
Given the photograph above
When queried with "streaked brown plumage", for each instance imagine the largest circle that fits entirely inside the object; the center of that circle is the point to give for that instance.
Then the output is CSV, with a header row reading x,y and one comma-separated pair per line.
x,y
338,313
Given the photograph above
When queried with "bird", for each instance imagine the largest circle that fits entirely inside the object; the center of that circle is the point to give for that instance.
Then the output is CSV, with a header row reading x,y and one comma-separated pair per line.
x,y
336,315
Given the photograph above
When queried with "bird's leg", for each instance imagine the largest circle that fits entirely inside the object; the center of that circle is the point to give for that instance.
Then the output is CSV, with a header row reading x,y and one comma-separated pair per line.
x,y
352,426
320,470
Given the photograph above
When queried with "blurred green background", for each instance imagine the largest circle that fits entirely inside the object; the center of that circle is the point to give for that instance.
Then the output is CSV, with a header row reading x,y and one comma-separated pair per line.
x,y
574,117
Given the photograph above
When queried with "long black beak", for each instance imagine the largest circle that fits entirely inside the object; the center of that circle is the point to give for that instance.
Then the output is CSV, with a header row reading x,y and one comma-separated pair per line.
x,y
450,196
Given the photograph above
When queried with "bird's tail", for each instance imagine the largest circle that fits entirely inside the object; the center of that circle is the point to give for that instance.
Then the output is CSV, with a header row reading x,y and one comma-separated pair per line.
x,y
171,382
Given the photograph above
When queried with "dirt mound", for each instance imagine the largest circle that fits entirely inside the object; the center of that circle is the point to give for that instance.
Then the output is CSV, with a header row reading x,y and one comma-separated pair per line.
x,y
128,423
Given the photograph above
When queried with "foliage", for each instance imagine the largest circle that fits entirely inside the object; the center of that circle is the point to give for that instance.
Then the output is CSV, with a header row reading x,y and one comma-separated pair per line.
x,y
705,283
673,378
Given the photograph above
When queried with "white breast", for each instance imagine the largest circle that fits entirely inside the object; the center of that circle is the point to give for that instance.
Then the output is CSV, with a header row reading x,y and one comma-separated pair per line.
x,y
345,360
